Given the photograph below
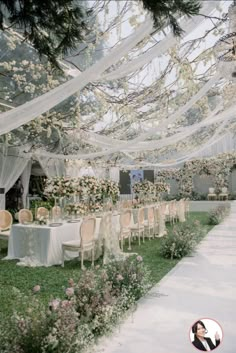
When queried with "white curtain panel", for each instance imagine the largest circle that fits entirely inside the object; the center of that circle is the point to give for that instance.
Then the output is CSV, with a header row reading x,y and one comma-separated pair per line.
x,y
52,167
76,170
86,171
100,173
72,171
25,178
114,174
11,167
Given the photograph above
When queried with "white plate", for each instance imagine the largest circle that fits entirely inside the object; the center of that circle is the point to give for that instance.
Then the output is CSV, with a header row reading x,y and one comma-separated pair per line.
x,y
55,224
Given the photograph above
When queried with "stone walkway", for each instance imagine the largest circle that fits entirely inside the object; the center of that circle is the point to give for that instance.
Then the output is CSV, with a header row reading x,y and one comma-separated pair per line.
x,y
200,286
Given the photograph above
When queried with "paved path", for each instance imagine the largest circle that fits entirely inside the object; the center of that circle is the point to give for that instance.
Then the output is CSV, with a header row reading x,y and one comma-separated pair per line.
x,y
201,286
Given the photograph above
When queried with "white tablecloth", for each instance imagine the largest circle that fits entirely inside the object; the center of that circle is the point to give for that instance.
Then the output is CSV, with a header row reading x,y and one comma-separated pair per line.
x,y
41,245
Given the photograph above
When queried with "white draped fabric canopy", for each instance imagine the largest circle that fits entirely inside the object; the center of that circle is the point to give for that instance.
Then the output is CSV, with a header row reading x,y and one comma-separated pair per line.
x,y
30,110
11,167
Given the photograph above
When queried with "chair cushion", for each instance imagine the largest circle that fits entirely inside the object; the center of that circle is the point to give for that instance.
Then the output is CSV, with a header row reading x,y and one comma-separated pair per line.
x,y
72,243
5,232
125,230
136,227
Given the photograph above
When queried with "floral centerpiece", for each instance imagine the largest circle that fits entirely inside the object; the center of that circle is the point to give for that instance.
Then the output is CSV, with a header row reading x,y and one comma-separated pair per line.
x,y
77,209
42,220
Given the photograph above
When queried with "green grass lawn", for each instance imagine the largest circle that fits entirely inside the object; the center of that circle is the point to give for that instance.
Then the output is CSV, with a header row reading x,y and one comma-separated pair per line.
x,y
53,280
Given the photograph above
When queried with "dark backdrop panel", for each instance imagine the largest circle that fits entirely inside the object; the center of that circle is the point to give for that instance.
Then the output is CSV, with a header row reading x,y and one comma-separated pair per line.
x,y
149,175
125,187
125,182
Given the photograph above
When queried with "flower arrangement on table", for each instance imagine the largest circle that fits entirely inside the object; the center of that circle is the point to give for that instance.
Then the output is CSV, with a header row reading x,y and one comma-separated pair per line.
x,y
77,209
42,220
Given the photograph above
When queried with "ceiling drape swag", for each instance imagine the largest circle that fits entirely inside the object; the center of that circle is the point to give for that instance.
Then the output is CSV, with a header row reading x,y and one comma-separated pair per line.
x,y
125,146
181,133
34,108
187,24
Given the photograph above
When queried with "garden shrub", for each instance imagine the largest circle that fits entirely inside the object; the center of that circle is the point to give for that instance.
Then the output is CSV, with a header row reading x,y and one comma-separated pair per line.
x,y
91,308
182,240
101,297
217,215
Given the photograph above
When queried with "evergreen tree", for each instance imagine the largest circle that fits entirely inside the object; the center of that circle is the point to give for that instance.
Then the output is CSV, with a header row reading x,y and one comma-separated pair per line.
x,y
55,27
167,11
52,26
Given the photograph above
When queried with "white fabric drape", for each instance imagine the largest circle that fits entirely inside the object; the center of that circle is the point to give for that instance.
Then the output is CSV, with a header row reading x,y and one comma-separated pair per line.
x,y
73,168
114,174
100,173
86,171
25,178
172,118
28,111
187,24
52,167
11,167
214,140
125,147
181,134
226,144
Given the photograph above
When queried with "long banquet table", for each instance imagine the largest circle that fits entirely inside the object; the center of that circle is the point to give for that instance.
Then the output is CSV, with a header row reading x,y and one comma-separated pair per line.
x,y
41,245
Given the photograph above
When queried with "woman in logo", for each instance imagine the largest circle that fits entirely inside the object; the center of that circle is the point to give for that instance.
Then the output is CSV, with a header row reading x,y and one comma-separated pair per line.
x,y
200,341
